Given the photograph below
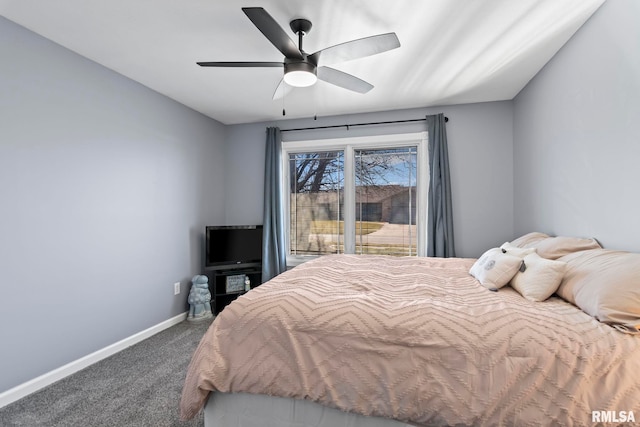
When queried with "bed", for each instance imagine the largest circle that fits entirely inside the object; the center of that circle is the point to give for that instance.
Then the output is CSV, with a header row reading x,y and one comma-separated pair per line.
x,y
385,341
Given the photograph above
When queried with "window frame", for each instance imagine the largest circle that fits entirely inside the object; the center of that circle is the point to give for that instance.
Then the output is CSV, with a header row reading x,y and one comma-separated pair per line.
x,y
348,145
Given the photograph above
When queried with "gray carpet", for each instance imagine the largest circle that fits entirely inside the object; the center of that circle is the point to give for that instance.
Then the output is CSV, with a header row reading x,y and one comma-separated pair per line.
x,y
139,386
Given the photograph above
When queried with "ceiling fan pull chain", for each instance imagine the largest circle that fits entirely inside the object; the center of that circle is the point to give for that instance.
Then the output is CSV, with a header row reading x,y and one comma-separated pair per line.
x,y
283,95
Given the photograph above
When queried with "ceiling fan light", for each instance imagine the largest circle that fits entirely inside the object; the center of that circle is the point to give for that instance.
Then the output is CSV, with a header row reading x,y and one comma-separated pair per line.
x,y
300,78
300,74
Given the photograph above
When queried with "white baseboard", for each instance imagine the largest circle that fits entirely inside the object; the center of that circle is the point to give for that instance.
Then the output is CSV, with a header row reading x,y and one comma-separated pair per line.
x,y
44,380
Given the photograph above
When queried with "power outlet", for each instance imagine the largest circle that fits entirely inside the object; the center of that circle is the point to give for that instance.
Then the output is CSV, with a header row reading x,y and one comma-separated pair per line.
x,y
176,288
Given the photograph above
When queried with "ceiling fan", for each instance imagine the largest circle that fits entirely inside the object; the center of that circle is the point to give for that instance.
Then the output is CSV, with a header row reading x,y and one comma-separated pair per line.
x,y
302,69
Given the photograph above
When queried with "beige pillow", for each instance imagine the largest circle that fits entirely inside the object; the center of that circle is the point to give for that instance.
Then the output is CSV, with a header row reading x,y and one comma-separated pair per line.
x,y
556,247
528,239
539,278
515,250
606,285
494,268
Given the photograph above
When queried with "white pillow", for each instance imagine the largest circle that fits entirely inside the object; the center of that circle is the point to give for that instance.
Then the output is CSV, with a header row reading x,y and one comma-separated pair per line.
x,y
529,239
516,251
556,247
495,268
540,279
606,285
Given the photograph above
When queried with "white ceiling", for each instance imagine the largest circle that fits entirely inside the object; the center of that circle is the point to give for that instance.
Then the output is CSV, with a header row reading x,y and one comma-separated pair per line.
x,y
452,51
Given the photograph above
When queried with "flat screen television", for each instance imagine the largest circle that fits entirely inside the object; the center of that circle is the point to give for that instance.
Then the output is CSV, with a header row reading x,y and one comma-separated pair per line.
x,y
230,245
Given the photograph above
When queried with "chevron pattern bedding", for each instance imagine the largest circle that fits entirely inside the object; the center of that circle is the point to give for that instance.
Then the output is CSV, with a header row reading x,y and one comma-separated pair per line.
x,y
417,340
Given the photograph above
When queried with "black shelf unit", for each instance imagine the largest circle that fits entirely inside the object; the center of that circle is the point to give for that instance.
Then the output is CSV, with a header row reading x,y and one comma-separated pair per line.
x,y
234,275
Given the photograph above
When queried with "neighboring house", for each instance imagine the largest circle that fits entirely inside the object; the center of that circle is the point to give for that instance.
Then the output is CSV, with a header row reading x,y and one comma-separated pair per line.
x,y
394,204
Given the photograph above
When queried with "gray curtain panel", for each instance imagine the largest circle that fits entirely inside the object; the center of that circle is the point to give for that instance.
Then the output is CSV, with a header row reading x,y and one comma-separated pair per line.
x,y
274,255
440,215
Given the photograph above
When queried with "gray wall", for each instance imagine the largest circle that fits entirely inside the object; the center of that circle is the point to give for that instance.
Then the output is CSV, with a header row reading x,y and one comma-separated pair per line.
x,y
577,138
480,153
105,187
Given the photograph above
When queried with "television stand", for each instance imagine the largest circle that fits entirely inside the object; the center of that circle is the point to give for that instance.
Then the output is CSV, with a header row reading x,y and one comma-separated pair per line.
x,y
227,282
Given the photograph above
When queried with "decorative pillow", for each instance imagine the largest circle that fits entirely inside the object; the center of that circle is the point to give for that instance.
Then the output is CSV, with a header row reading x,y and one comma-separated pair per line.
x,y
515,250
539,278
556,247
494,268
528,239
606,285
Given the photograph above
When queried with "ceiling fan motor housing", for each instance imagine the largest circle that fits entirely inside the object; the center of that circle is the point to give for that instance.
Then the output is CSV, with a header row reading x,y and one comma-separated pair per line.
x,y
292,64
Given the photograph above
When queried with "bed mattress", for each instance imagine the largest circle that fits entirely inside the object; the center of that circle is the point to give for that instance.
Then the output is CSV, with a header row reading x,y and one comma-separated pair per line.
x,y
255,410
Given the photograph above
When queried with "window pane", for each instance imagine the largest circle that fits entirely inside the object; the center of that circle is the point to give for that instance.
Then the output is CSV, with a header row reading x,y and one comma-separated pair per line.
x,y
386,201
316,198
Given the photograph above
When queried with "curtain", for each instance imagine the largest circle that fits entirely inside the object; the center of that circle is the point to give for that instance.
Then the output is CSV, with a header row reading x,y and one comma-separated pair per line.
x,y
274,256
439,216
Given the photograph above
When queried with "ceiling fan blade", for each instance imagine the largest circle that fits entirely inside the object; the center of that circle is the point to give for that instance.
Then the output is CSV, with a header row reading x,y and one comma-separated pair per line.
x,y
354,49
273,32
344,80
282,90
240,64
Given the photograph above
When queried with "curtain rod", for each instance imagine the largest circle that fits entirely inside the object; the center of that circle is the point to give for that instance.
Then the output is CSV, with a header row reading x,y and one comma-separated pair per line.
x,y
446,119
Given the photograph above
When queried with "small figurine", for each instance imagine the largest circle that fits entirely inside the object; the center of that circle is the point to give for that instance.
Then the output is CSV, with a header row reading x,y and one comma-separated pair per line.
x,y
200,299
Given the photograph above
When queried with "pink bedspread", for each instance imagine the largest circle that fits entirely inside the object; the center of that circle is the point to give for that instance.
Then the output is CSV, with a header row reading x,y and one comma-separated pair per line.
x,y
418,340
